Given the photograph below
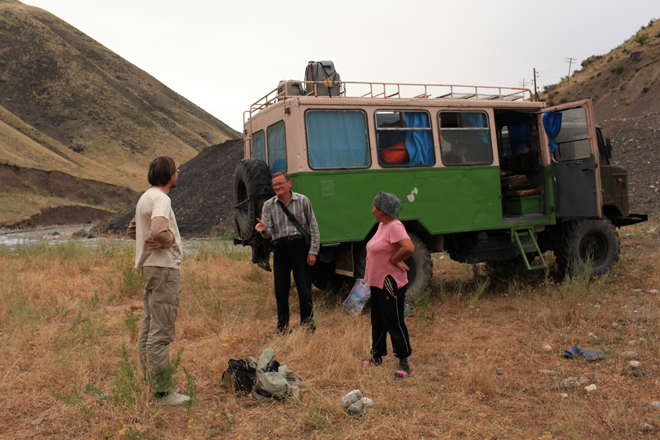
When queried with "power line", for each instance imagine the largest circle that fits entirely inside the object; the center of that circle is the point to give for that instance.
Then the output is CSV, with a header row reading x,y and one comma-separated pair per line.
x,y
551,70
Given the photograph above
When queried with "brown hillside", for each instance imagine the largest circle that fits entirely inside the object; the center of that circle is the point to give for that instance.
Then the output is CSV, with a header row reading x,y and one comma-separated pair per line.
x,y
625,87
71,106
64,94
38,195
203,200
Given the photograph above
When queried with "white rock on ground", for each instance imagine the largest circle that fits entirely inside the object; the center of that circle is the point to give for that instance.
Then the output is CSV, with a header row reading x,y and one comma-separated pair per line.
x,y
591,388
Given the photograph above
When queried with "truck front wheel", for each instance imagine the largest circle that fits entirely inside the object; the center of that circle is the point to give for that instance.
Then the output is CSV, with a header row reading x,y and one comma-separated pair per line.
x,y
588,242
325,278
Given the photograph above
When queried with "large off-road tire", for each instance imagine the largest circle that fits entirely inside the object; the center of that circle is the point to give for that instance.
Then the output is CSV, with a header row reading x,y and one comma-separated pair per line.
x,y
420,264
421,269
584,240
252,187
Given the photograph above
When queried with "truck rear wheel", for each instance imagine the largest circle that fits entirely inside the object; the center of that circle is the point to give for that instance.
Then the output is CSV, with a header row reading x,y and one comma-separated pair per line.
x,y
420,264
252,187
421,269
594,241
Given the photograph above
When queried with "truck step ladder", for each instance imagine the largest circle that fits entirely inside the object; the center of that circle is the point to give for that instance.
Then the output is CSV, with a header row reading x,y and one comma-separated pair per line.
x,y
530,246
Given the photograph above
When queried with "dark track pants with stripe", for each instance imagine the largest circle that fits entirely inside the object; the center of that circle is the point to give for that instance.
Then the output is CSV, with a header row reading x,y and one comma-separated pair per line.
x,y
387,317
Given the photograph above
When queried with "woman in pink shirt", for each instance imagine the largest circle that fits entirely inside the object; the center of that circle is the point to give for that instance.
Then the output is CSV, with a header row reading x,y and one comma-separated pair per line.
x,y
386,274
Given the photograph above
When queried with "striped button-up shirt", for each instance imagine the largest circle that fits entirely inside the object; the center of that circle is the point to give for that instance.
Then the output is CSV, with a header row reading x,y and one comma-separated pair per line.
x,y
278,225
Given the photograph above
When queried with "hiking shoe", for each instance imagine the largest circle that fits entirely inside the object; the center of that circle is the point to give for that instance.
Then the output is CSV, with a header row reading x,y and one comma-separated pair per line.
x,y
404,369
172,399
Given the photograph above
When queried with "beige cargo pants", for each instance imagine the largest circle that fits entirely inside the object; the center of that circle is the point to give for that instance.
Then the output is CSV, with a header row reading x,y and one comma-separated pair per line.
x,y
162,286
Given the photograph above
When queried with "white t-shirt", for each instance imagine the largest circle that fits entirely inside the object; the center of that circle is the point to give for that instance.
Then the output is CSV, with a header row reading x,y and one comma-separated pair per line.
x,y
155,203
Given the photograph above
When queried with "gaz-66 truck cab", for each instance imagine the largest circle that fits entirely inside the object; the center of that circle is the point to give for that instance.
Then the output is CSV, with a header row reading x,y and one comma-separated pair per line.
x,y
484,173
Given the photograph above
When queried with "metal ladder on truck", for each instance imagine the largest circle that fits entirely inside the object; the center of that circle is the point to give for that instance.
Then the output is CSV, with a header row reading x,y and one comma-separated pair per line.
x,y
524,239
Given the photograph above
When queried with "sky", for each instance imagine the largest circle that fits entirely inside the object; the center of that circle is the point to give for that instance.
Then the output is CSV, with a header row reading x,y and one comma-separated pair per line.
x,y
224,55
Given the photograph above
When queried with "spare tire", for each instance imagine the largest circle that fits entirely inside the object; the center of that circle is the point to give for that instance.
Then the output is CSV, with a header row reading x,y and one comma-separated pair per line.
x,y
252,187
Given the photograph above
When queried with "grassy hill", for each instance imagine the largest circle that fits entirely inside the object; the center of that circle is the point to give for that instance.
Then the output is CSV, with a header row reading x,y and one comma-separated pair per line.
x,y
69,104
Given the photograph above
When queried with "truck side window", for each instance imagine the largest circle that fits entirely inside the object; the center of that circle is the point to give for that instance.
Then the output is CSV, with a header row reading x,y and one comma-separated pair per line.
x,y
573,138
259,145
404,138
277,147
337,139
465,138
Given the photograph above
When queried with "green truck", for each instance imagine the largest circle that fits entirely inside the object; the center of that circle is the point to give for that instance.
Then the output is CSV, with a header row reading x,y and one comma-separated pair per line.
x,y
485,174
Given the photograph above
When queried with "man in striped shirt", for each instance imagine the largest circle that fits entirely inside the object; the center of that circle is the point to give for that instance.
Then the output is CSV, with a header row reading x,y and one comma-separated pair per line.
x,y
291,252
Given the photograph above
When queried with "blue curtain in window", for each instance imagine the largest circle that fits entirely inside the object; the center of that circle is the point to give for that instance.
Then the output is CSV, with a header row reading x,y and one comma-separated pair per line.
x,y
477,120
520,132
419,143
259,146
277,147
337,139
552,125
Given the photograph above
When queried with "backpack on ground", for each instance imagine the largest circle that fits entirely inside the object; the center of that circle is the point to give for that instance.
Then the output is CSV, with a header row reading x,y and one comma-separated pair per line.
x,y
239,377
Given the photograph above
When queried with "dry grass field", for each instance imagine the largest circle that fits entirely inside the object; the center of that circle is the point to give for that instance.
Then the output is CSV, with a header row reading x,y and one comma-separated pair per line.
x,y
70,315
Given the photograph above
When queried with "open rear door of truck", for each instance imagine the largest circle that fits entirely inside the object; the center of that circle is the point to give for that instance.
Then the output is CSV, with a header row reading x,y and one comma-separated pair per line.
x,y
575,162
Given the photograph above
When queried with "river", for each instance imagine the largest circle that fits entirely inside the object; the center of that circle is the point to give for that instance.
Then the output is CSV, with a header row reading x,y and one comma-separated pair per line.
x,y
62,233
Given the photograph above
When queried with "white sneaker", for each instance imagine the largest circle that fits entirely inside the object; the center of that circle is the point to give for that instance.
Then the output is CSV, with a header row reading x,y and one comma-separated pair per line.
x,y
172,399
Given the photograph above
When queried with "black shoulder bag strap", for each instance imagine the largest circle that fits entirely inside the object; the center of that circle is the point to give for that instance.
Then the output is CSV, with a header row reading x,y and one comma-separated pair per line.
x,y
292,219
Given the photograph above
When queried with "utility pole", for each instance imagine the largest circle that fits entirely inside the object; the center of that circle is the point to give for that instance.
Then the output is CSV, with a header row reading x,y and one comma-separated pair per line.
x,y
569,61
536,90
523,83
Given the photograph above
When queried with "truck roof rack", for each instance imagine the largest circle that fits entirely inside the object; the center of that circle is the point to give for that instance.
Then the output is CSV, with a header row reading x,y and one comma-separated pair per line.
x,y
360,91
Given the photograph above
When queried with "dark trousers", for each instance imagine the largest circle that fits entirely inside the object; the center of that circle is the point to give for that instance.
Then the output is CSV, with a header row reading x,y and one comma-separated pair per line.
x,y
290,254
387,317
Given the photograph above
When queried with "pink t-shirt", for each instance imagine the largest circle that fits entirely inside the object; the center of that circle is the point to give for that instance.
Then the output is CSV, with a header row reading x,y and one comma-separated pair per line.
x,y
379,251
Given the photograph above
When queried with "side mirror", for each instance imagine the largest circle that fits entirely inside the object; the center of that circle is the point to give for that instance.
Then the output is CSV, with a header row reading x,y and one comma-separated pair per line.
x,y
608,148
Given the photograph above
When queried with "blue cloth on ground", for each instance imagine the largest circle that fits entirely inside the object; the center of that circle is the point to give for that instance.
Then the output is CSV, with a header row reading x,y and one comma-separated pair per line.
x,y
572,352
